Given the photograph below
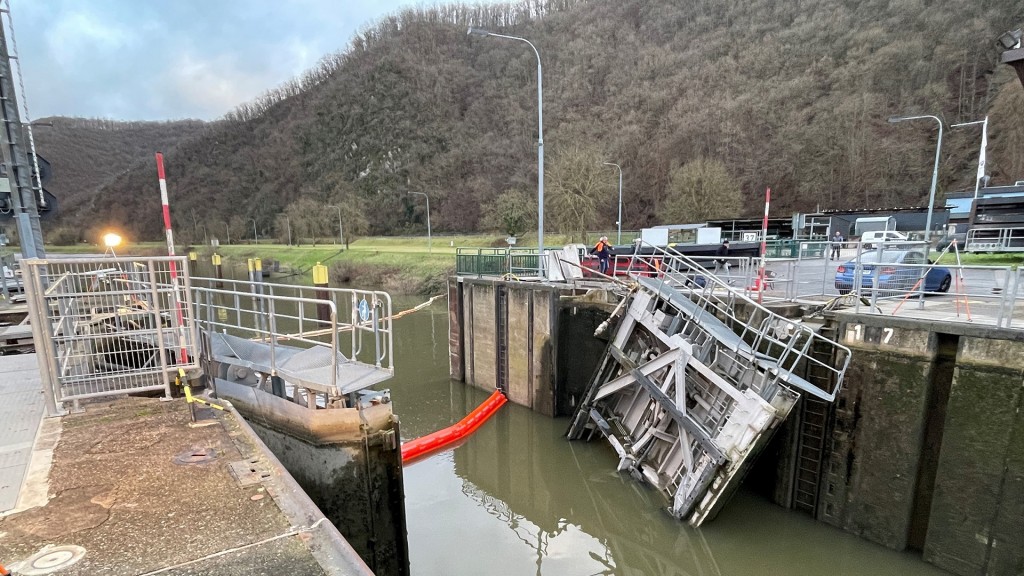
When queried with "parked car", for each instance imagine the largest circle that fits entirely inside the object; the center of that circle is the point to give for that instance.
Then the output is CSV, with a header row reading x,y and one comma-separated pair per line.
x,y
960,237
894,272
869,239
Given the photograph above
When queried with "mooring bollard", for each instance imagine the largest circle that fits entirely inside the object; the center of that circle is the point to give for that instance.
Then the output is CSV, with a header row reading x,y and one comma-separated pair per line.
x,y
193,261
320,280
218,270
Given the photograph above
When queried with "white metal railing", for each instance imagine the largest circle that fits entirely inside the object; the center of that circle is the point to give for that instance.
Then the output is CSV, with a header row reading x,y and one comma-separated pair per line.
x,y
355,323
792,346
995,240
109,326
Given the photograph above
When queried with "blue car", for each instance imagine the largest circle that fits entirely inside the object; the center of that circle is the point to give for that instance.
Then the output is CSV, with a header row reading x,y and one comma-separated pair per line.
x,y
892,276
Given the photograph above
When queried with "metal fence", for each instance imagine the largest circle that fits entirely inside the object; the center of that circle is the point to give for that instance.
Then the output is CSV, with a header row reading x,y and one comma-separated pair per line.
x,y
792,347
497,261
110,325
901,279
320,338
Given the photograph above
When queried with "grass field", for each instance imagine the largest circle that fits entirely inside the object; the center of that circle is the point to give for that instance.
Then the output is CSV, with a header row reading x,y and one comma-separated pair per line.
x,y
401,264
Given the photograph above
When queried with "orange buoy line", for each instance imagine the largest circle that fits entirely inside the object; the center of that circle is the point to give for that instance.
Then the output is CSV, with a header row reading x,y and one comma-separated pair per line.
x,y
456,432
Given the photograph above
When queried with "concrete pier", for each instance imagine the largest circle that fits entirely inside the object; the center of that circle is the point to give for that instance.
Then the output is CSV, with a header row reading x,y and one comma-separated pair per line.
x,y
139,491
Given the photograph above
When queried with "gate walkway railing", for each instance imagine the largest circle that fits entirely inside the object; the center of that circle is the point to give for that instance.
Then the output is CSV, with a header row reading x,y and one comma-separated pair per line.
x,y
327,341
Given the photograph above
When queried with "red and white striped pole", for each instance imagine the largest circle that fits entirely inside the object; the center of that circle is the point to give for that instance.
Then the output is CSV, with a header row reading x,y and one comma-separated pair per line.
x,y
178,316
764,245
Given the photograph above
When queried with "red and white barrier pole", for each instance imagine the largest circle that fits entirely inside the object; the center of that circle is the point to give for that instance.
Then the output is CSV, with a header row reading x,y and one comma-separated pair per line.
x,y
764,245
178,316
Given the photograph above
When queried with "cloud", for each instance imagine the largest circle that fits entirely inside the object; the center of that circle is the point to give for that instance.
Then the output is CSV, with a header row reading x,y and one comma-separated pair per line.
x,y
210,86
144,60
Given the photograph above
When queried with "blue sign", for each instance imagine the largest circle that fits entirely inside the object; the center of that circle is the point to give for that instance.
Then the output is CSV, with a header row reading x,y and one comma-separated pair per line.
x,y
364,310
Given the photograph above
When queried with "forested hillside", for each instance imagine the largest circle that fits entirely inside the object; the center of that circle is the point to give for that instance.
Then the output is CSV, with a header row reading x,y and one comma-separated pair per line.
x,y
88,153
703,103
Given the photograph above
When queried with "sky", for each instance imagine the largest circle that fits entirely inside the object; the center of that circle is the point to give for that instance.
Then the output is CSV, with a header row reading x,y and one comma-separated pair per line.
x,y
173,59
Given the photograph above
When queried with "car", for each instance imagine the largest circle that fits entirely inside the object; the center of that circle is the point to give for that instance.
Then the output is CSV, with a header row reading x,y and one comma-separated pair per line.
x,y
868,239
896,272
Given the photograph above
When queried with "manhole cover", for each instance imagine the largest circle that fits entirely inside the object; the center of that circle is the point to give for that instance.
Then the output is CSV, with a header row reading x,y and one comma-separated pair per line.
x,y
195,456
50,559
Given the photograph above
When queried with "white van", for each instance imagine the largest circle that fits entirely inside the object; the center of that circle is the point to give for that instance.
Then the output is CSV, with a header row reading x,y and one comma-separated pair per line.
x,y
868,239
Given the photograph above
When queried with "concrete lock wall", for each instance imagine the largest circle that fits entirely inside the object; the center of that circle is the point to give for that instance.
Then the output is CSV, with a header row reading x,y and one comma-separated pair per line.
x,y
927,445
505,338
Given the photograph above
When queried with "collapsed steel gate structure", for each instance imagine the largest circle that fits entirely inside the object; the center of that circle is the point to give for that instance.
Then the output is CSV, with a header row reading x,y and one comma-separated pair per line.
x,y
694,382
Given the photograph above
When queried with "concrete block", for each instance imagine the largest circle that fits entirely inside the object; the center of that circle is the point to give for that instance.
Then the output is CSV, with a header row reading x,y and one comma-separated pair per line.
x,y
977,507
1005,354
879,427
520,300
545,356
484,341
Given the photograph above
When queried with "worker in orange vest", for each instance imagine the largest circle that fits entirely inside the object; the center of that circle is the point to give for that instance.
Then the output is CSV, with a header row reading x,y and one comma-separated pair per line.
x,y
603,251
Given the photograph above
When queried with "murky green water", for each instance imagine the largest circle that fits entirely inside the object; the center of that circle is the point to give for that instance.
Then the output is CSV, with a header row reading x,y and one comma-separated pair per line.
x,y
518,499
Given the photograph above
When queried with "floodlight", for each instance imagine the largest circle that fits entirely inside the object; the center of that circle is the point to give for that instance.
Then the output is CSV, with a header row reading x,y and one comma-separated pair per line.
x,y
111,240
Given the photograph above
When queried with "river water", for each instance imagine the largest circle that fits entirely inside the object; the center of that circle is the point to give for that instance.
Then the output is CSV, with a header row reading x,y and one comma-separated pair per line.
x,y
518,499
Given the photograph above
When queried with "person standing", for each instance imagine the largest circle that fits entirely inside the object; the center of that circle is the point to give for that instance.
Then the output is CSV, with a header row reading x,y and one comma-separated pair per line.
x,y
722,255
603,252
837,244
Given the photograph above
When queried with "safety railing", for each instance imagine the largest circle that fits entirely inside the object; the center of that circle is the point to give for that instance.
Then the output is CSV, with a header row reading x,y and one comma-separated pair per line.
x,y
790,345
995,240
497,261
355,323
948,291
109,326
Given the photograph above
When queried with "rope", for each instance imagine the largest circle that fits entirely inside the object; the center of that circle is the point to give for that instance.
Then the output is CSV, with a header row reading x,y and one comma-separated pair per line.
x,y
288,534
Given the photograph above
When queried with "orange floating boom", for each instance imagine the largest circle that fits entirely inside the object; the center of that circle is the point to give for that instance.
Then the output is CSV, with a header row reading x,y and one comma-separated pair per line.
x,y
456,432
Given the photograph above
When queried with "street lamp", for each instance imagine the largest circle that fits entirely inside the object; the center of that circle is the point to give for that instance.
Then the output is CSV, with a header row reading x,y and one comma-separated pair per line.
x,y
341,236
540,138
227,228
981,156
288,223
619,240
254,234
935,169
429,238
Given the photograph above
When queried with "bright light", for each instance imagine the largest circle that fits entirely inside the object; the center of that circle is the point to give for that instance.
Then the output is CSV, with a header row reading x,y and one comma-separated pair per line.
x,y
110,240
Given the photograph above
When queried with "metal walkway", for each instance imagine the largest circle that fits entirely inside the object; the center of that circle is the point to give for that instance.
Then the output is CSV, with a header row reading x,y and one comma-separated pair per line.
x,y
21,408
694,382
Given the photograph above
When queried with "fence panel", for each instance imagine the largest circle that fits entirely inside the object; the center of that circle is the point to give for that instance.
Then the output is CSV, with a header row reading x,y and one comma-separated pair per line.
x,y
115,325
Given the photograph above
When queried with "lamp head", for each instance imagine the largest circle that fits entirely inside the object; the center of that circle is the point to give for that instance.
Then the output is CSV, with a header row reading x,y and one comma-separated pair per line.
x,y
477,32
1010,40
111,240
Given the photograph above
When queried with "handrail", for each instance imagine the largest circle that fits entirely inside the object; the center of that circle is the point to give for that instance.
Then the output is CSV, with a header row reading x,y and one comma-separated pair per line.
x,y
766,338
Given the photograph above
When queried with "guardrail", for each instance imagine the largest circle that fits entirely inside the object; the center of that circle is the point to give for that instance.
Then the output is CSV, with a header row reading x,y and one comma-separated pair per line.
x,y
497,261
109,326
792,346
313,316
995,240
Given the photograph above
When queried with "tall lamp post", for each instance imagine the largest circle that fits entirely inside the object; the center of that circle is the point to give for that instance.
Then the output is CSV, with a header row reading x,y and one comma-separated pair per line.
x,y
288,223
619,222
935,169
430,242
254,234
341,235
540,139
